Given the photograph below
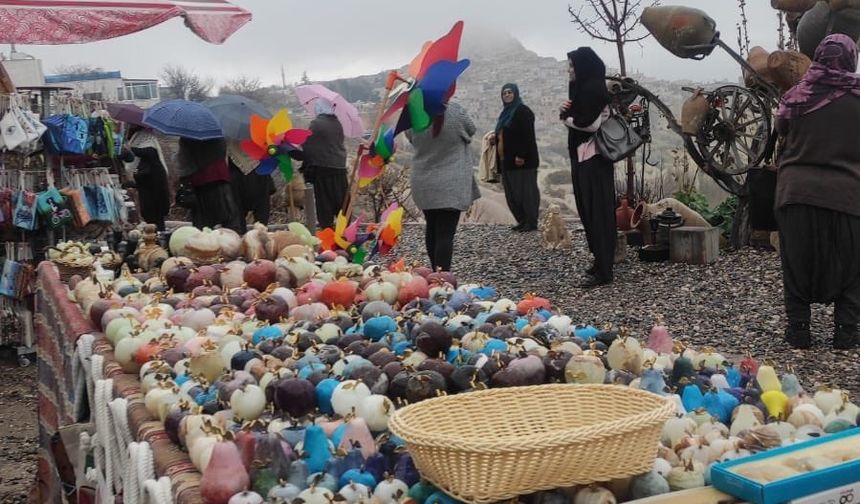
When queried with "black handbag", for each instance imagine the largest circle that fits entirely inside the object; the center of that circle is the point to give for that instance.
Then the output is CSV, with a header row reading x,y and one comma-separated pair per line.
x,y
185,196
616,140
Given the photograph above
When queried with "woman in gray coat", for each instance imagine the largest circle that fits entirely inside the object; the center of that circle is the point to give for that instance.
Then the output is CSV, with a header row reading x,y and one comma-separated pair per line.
x,y
443,181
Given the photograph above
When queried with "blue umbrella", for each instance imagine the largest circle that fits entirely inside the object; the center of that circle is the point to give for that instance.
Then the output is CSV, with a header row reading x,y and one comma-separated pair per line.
x,y
234,113
183,118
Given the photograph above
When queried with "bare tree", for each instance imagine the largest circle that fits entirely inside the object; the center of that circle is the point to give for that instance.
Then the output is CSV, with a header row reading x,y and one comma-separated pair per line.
x,y
77,69
185,84
243,85
391,187
613,21
617,22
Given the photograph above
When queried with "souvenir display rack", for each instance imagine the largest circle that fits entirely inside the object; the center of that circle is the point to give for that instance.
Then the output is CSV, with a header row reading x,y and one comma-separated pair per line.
x,y
58,182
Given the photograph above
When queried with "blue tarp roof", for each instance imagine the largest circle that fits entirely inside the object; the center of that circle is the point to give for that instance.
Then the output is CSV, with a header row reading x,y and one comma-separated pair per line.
x,y
55,79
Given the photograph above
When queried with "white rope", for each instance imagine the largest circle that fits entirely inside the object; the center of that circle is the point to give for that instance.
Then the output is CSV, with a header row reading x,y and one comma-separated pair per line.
x,y
130,488
97,362
158,492
145,466
139,469
103,476
119,415
82,371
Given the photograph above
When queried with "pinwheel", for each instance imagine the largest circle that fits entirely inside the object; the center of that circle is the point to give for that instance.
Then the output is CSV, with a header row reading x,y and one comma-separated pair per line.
x,y
377,158
272,141
388,231
346,237
433,81
419,98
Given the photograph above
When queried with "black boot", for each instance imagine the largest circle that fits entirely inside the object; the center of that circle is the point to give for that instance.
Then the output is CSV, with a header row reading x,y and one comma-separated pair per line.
x,y
591,270
846,337
797,334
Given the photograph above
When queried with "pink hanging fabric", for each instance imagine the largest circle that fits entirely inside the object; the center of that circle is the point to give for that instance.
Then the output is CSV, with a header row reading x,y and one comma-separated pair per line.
x,y
79,21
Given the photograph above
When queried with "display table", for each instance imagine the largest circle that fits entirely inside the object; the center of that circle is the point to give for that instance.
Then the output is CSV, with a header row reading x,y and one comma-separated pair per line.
x,y
58,323
66,342
169,460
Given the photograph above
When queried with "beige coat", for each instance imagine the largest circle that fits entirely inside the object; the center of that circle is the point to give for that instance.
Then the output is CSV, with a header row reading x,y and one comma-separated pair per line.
x,y
488,170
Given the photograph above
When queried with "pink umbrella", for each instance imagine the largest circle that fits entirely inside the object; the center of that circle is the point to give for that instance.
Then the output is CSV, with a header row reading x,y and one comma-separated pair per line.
x,y
347,114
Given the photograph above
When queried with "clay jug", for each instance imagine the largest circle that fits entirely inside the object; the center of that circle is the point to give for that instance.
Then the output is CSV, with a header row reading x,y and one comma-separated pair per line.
x,y
676,27
693,112
758,59
787,68
623,214
793,5
837,5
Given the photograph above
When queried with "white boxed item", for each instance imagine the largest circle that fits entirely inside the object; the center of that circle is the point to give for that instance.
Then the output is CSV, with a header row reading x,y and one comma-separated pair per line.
x,y
848,494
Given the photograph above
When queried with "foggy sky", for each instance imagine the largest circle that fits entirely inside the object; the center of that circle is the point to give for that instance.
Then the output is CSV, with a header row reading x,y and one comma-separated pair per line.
x,y
342,38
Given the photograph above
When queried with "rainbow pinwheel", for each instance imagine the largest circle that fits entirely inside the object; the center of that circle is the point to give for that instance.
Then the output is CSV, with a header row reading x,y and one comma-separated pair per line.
x,y
420,99
433,81
272,141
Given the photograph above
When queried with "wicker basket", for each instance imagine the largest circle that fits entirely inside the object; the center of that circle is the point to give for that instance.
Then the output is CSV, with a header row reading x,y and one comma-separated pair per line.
x,y
69,267
496,444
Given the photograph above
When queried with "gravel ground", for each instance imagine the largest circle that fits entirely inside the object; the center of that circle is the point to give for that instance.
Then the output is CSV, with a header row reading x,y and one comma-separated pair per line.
x,y
734,305
18,430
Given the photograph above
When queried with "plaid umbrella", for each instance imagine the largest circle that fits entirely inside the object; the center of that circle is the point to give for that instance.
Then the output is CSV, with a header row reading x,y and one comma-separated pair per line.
x,y
79,21
234,113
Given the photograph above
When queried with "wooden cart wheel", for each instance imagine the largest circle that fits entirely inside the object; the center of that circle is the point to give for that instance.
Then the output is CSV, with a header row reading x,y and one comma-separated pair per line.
x,y
736,133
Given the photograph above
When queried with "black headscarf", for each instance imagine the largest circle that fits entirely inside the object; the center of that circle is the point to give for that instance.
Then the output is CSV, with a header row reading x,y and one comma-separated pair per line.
x,y
588,92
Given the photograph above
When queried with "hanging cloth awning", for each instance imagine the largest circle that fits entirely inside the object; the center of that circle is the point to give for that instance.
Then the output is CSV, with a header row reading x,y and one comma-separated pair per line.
x,y
78,21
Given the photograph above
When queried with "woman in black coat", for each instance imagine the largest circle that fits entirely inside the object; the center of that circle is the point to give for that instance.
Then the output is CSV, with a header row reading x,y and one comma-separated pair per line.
x,y
593,175
517,153
144,159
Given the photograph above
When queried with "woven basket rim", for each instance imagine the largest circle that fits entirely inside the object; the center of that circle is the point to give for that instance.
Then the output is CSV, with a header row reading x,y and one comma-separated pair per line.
x,y
503,444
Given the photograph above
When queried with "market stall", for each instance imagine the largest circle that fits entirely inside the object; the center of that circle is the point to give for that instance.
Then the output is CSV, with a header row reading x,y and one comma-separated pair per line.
x,y
308,345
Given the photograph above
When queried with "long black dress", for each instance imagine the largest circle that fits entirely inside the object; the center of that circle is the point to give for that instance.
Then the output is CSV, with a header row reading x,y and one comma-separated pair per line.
x,y
520,182
324,166
594,178
150,177
252,193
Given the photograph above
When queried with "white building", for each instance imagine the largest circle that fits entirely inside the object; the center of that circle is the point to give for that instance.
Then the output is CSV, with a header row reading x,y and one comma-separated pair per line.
x,y
109,87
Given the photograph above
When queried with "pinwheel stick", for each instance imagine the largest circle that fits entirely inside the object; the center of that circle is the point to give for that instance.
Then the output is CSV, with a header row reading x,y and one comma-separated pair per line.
x,y
349,204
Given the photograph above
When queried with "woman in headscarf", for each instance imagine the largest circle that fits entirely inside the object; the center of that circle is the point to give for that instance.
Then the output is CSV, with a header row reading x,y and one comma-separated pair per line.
x,y
323,158
818,182
145,162
593,175
442,180
518,158
251,191
203,167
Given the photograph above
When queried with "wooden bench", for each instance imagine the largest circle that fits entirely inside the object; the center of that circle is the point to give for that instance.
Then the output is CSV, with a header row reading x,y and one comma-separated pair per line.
x,y
694,245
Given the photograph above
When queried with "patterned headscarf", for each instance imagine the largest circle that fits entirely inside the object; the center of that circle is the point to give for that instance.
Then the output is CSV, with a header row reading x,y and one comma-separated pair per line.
x,y
830,77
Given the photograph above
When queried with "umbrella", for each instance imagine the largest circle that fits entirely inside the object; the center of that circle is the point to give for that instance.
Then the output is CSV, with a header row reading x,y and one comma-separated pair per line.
x,y
184,119
234,113
79,21
346,112
126,112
